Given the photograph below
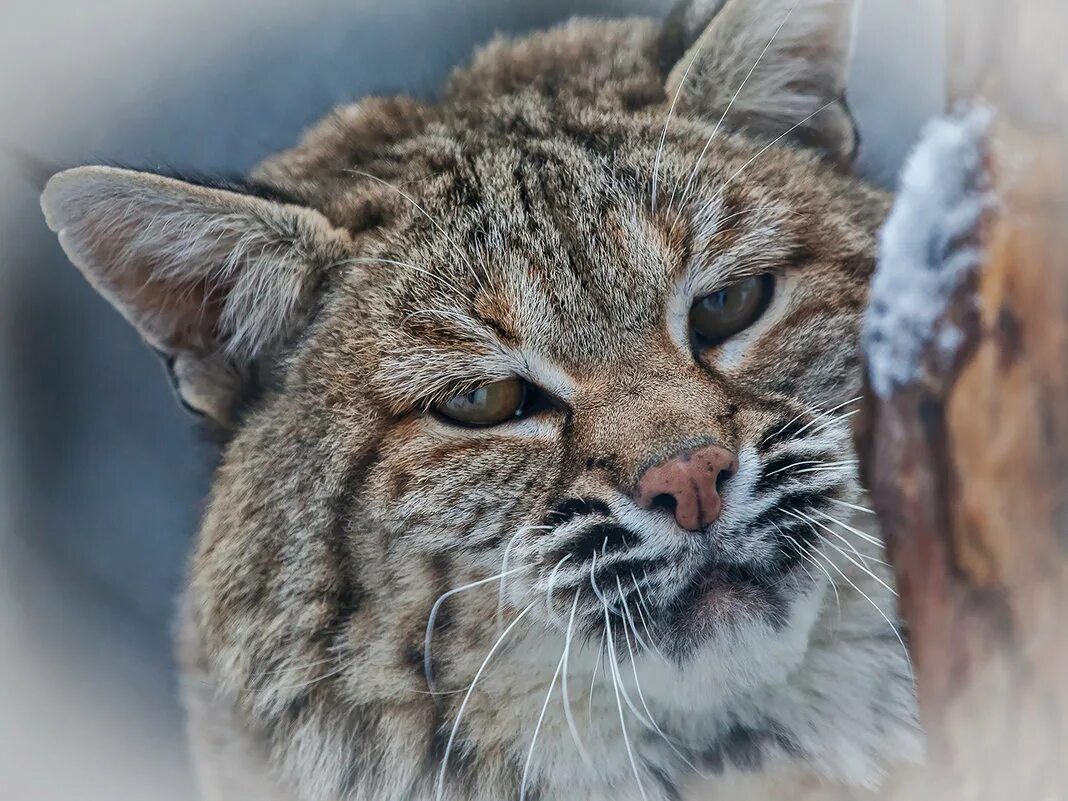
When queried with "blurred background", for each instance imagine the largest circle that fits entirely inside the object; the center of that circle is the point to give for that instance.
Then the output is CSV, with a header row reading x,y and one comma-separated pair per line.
x,y
102,477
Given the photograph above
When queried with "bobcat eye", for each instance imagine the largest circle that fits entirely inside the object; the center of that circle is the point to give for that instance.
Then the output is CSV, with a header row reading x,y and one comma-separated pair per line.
x,y
729,311
489,405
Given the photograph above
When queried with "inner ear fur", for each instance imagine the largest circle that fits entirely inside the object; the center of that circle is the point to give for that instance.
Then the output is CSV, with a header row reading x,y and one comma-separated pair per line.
x,y
764,67
212,278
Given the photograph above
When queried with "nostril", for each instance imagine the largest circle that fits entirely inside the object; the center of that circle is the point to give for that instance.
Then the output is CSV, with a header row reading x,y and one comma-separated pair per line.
x,y
664,502
722,478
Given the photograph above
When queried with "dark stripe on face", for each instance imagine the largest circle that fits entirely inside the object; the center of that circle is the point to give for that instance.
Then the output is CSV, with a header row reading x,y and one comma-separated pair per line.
x,y
600,539
439,568
464,760
570,508
348,595
781,433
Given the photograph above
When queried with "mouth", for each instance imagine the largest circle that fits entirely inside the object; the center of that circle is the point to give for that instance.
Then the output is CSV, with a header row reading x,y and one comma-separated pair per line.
x,y
680,610
723,596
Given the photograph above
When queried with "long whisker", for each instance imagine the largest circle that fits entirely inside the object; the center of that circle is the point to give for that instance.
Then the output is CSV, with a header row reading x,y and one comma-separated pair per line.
x,y
744,167
727,110
852,506
641,695
807,514
796,465
794,419
827,415
549,607
866,537
428,668
537,727
613,663
828,468
643,607
593,679
812,523
467,697
638,639
597,590
671,113
834,422
875,606
504,569
801,551
563,687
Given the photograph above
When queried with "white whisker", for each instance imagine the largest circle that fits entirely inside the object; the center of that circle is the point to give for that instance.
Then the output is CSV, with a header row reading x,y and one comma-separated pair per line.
x,y
537,727
876,607
744,167
813,523
641,614
593,679
549,608
852,506
801,551
864,558
427,662
866,537
619,704
638,687
671,113
467,697
726,111
563,687
504,569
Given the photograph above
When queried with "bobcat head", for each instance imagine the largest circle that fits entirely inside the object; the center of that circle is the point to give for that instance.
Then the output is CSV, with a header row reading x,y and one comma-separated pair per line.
x,y
538,471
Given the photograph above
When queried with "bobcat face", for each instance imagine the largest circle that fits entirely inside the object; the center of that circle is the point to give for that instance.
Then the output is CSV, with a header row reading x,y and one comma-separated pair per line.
x,y
555,375
575,319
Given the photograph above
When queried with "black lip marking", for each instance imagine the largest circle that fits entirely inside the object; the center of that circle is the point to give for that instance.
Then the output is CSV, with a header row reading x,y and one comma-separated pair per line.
x,y
603,538
568,509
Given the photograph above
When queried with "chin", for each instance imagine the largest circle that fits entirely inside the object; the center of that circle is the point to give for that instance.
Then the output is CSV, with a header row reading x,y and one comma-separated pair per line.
x,y
733,635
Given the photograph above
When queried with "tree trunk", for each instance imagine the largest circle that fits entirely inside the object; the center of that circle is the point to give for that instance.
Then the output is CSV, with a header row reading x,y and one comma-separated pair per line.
x,y
967,462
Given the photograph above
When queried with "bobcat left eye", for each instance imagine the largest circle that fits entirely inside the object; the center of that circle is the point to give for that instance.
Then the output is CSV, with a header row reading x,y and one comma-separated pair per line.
x,y
489,405
717,317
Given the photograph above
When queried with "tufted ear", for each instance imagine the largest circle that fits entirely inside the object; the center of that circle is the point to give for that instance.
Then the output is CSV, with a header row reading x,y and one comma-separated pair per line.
x,y
212,278
764,66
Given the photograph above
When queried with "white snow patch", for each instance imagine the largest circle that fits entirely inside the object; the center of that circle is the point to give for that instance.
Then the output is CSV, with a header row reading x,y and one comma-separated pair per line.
x,y
927,247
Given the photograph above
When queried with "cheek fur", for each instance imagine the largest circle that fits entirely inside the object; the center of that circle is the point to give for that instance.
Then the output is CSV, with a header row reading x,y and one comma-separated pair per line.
x,y
470,493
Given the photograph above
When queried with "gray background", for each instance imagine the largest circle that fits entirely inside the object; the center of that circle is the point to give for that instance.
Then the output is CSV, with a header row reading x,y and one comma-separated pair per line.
x,y
101,476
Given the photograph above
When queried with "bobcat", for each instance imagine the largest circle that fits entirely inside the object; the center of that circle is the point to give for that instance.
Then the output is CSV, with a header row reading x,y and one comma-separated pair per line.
x,y
537,479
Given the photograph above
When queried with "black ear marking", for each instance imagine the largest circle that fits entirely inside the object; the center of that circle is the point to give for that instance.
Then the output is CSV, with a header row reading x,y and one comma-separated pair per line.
x,y
681,28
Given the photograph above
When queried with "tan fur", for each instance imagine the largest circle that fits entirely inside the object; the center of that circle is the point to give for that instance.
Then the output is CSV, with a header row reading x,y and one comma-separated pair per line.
x,y
415,252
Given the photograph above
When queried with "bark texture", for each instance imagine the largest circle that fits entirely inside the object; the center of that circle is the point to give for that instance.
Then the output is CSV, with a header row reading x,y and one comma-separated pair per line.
x,y
968,463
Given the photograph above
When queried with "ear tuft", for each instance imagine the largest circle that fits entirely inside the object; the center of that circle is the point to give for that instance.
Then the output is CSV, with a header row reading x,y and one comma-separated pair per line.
x,y
766,66
211,278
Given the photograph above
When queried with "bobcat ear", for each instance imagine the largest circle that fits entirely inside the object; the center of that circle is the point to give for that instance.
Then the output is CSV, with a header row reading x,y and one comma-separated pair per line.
x,y
765,66
211,278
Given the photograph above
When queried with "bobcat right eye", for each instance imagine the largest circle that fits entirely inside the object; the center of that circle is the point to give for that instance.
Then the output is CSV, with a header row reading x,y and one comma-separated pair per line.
x,y
717,317
489,405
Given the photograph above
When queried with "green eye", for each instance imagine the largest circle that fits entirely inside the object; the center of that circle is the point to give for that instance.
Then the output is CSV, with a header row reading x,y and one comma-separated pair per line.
x,y
717,317
489,405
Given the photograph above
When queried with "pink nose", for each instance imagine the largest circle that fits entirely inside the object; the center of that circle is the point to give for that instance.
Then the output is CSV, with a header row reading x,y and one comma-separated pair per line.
x,y
687,485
